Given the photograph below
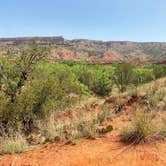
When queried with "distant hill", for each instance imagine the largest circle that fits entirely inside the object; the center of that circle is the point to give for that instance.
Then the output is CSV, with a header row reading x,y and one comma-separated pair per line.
x,y
28,40
92,50
147,50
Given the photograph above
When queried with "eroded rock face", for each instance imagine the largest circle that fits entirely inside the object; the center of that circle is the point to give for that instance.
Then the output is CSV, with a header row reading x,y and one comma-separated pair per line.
x,y
68,55
112,56
94,51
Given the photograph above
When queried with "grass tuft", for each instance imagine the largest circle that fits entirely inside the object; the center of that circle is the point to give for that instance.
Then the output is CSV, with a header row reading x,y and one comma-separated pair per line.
x,y
142,129
13,145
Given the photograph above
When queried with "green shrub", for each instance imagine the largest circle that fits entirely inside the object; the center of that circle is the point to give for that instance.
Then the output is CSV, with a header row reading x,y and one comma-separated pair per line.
x,y
143,75
123,76
46,88
85,75
102,84
159,71
96,78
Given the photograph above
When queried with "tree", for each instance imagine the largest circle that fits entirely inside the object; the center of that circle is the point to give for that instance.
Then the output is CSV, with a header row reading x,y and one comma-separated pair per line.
x,y
14,77
123,76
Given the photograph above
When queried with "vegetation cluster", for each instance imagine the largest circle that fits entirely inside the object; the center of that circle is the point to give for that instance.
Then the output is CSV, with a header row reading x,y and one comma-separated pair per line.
x,y
33,89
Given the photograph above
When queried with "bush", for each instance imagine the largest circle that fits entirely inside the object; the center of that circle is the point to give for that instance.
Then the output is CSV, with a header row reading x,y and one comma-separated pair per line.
x,y
102,84
163,129
46,92
46,88
96,78
85,75
31,89
141,130
142,76
123,76
159,71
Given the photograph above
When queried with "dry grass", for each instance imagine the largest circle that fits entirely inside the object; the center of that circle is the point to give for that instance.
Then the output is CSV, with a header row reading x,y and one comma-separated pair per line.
x,y
82,124
142,129
12,145
153,94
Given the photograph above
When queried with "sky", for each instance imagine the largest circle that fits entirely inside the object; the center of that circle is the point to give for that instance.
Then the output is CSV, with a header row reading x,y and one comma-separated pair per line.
x,y
129,20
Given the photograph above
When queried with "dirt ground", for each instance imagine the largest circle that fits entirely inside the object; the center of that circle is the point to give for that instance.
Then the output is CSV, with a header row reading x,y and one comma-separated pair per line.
x,y
106,151
99,152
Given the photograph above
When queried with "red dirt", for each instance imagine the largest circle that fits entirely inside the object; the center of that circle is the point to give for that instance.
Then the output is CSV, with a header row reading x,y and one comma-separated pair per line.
x,y
68,55
99,152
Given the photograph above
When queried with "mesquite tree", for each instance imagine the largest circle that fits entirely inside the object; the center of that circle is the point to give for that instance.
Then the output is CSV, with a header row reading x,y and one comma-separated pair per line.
x,y
12,79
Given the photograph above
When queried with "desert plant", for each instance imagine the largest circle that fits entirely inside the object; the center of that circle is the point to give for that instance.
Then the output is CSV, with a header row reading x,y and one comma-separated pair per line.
x,y
163,129
159,71
14,73
142,129
123,76
102,85
11,145
77,127
104,114
96,78
143,75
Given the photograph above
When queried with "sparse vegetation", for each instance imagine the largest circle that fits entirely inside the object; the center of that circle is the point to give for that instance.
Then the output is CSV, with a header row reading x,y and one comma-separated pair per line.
x,y
79,126
12,145
34,92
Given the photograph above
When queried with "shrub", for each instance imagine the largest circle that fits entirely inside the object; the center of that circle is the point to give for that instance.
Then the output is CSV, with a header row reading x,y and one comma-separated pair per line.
x,y
123,76
159,71
45,89
104,114
143,75
96,78
46,92
141,130
163,130
85,75
102,85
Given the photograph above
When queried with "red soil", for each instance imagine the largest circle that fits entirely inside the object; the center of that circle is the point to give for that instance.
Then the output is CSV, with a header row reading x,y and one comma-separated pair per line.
x,y
68,55
99,152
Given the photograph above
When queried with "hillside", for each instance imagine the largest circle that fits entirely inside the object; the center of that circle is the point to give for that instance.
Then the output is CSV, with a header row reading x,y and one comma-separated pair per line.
x,y
106,150
105,51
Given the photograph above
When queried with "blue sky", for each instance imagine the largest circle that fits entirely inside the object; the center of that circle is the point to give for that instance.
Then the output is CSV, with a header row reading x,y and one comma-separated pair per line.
x,y
134,20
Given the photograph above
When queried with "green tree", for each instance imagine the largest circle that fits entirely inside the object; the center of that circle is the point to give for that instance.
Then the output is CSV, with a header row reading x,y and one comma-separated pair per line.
x,y
15,74
123,76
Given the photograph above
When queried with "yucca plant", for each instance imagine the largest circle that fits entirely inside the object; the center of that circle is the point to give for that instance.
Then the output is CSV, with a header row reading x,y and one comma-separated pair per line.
x,y
141,130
